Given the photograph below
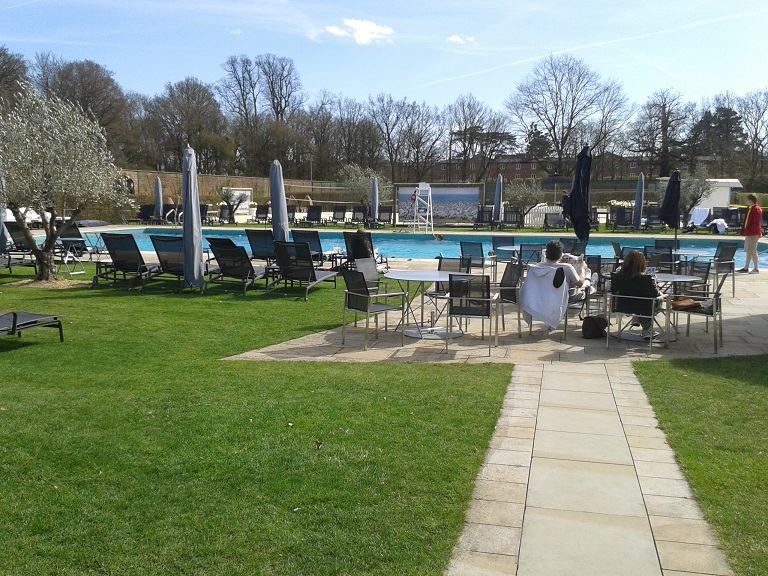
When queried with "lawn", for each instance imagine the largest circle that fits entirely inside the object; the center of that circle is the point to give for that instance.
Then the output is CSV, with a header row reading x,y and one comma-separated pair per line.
x,y
132,448
715,415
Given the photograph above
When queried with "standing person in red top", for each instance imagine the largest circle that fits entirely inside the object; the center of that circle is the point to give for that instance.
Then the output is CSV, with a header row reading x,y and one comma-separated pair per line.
x,y
752,230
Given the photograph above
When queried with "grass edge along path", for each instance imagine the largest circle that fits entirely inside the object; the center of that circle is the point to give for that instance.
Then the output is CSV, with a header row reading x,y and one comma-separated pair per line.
x,y
715,415
132,448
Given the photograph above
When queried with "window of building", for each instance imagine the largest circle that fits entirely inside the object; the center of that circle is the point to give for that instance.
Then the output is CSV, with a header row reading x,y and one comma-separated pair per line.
x,y
533,165
471,165
633,164
549,166
442,166
632,174
518,165
518,177
502,167
443,178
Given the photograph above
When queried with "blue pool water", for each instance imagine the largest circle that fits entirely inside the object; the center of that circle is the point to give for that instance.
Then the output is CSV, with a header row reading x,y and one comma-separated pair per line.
x,y
406,245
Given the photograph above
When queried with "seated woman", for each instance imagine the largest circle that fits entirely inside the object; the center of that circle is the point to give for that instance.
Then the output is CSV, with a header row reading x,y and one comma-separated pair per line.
x,y
632,280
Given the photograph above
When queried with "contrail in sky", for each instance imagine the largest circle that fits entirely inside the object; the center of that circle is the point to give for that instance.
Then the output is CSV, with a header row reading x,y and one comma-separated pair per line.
x,y
680,28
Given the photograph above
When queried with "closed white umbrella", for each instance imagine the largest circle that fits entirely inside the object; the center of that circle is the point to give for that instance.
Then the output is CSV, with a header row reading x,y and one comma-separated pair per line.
x,y
497,199
192,231
375,199
158,198
637,215
280,229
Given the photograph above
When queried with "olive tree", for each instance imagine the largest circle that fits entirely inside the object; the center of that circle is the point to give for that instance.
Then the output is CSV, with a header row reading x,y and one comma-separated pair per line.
x,y
694,189
55,161
523,195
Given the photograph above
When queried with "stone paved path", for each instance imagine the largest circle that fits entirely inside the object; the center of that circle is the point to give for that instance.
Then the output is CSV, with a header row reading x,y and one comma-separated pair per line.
x,y
578,478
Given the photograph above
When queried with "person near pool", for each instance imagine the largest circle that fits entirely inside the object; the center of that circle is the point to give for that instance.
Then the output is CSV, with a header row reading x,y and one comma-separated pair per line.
x,y
575,276
632,280
752,230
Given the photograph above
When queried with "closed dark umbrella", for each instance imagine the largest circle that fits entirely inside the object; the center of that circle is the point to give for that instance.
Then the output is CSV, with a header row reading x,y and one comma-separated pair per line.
x,y
497,198
581,204
158,198
670,207
192,231
637,215
375,199
280,228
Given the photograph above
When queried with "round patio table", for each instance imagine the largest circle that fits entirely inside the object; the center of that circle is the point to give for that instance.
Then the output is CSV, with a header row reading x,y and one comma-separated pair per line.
x,y
421,278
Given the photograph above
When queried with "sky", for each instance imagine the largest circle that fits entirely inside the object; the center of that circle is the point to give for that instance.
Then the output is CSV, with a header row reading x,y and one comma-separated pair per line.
x,y
424,50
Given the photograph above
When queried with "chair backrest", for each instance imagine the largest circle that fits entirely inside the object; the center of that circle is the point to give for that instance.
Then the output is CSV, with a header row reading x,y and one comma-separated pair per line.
x,y
123,251
262,211
506,240
553,220
578,248
625,250
700,269
724,255
512,217
72,230
295,261
358,245
662,257
616,249
595,265
233,260
311,237
461,265
530,253
667,243
510,281
358,295
146,211
339,212
568,244
473,250
262,243
385,214
170,253
484,216
291,209
469,295
17,235
636,294
367,266
315,213
359,213
204,212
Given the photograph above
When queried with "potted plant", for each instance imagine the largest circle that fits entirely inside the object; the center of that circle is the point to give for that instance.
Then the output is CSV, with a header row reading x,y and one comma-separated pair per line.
x,y
252,209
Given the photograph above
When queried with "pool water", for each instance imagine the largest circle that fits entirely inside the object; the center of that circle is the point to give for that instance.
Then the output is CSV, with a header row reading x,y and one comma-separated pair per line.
x,y
406,245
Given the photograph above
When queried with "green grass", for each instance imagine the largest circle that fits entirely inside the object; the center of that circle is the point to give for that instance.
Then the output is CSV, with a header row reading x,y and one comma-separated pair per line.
x,y
134,449
715,414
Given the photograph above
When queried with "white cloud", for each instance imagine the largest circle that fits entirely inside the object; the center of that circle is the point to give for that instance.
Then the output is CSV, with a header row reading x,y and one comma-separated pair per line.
x,y
336,31
363,31
236,32
458,39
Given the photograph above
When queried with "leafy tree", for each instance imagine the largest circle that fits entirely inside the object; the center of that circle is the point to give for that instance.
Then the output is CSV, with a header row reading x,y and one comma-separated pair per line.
x,y
694,189
55,160
358,182
523,195
232,199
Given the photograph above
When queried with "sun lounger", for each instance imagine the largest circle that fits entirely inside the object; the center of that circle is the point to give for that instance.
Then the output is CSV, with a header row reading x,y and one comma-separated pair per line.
x,y
296,266
14,323
125,259
234,265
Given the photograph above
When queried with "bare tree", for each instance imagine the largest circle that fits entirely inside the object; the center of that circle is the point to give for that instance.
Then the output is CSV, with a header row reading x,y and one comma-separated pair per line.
x,y
560,94
657,131
422,135
753,108
281,85
390,117
239,92
188,113
13,69
319,130
54,157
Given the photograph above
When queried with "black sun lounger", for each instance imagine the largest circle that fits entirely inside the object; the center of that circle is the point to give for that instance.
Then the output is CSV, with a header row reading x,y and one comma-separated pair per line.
x,y
14,323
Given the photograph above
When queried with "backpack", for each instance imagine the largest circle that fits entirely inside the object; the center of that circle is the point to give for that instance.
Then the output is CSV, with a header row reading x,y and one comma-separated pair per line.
x,y
594,327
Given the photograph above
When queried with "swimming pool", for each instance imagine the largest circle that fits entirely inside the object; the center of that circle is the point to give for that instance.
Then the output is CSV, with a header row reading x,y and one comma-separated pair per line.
x,y
406,245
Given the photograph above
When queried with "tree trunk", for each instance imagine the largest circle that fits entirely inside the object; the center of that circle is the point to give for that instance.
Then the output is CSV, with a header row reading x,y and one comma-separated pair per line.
x,y
46,267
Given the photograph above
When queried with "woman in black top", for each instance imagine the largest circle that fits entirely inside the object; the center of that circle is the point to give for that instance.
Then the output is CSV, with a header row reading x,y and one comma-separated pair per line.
x,y
632,280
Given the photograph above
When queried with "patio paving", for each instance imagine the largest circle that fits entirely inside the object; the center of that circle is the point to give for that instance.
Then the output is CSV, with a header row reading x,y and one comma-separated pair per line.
x,y
578,478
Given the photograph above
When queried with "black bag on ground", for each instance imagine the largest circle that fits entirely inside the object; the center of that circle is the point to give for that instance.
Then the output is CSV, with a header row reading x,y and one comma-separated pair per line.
x,y
594,327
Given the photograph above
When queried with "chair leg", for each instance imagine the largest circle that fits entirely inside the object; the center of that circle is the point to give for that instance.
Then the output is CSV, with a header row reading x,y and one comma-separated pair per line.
x,y
365,338
344,323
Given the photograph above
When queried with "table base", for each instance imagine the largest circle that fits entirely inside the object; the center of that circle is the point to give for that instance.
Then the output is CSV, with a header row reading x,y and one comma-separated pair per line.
x,y
431,333
658,337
